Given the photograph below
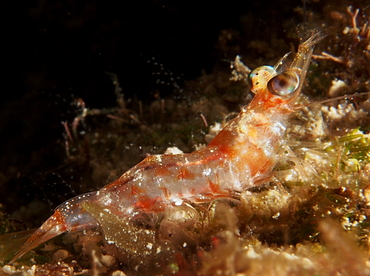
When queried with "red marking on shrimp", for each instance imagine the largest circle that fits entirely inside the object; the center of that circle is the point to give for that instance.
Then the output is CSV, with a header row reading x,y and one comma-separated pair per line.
x,y
215,188
166,192
147,204
242,155
186,174
163,171
137,191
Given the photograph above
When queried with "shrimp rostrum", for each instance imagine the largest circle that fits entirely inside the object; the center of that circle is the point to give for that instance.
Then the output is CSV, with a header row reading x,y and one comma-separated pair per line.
x,y
242,155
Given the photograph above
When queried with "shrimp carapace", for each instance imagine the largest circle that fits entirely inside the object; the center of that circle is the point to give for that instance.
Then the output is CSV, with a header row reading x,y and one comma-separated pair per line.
x,y
240,156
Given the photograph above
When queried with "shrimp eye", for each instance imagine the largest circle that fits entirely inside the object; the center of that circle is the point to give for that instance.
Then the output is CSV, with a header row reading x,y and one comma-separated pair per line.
x,y
283,84
261,74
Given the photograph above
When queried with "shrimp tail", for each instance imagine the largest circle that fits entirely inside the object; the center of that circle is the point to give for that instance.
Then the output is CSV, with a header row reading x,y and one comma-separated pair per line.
x,y
51,228
11,242
68,217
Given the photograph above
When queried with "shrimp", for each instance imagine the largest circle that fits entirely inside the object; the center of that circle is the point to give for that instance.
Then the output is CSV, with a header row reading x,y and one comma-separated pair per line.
x,y
242,155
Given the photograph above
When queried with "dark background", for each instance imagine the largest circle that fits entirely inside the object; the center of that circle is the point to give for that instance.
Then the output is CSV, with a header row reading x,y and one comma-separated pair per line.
x,y
55,51
68,45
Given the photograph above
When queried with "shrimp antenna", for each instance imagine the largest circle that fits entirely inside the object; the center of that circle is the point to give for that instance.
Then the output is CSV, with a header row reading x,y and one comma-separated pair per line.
x,y
344,97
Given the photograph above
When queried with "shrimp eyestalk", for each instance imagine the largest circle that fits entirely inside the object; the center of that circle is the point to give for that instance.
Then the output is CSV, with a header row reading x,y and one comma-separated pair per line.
x,y
243,154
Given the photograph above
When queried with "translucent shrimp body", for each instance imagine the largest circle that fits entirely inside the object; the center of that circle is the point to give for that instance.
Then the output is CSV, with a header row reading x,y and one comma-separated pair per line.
x,y
240,156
